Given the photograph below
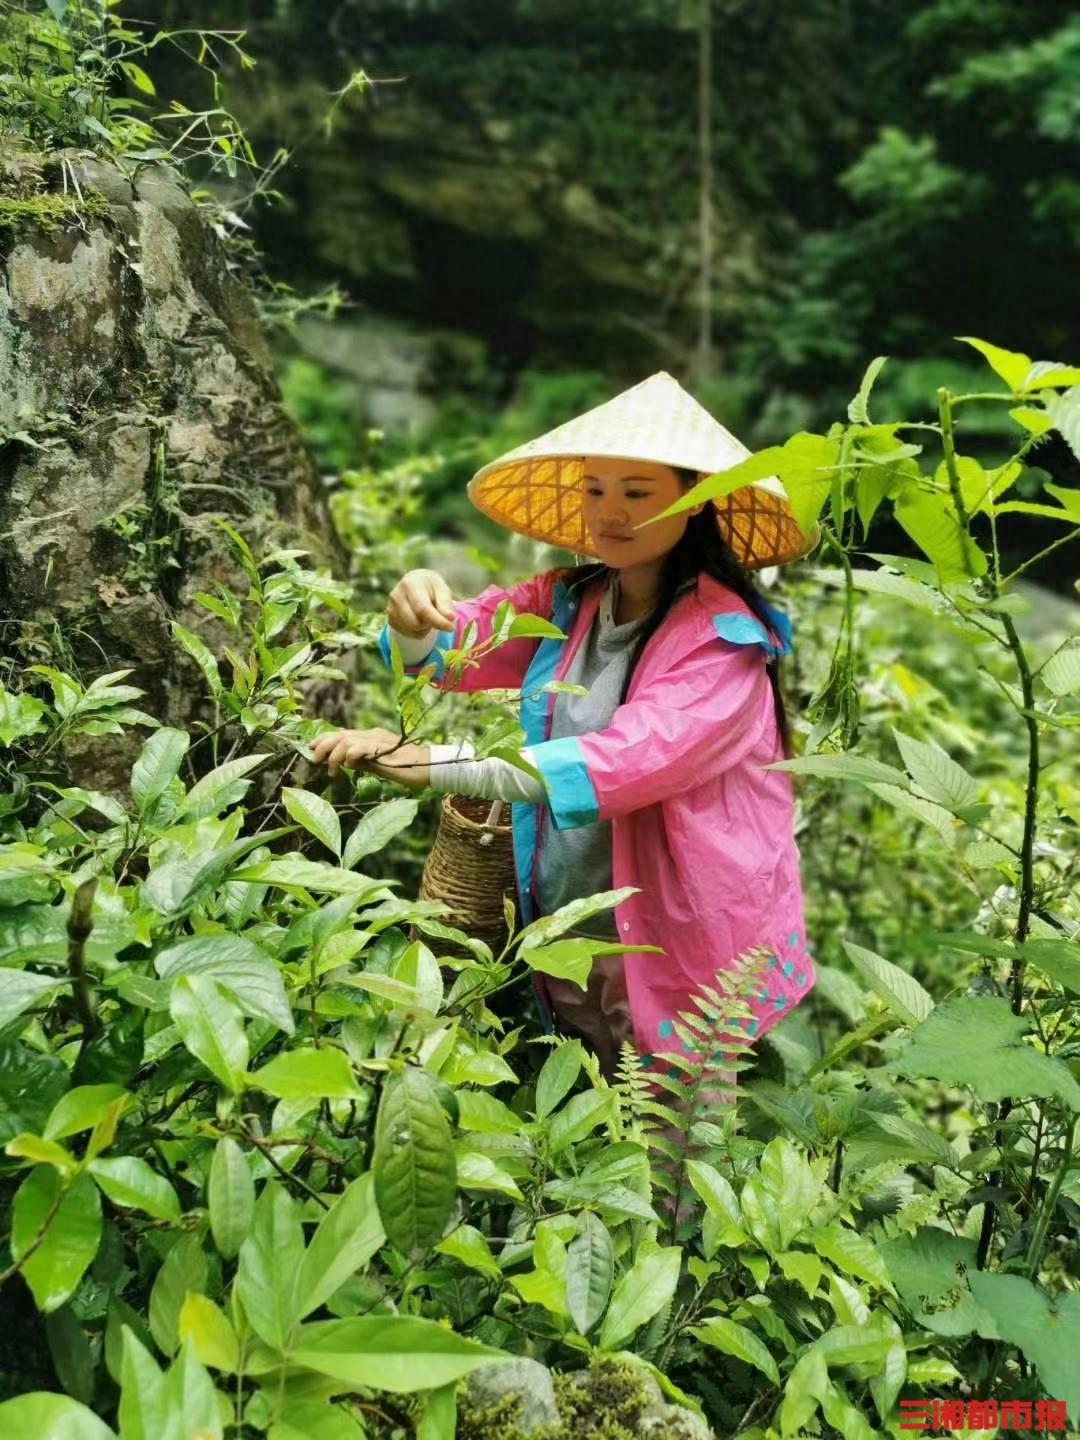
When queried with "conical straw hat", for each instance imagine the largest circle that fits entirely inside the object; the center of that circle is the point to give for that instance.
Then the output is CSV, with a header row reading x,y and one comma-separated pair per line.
x,y
536,489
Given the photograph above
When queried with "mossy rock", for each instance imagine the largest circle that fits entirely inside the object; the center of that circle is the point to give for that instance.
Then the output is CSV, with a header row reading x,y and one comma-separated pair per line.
x,y
613,1399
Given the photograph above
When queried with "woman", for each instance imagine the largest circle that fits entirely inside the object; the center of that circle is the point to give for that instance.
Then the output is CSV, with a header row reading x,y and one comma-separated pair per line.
x,y
655,777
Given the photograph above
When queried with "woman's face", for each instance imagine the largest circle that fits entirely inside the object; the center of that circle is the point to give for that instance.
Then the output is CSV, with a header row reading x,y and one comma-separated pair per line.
x,y
618,495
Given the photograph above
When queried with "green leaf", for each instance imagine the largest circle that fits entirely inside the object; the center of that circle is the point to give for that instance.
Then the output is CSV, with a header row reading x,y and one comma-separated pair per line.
x,y
221,787
184,881
853,1253
803,1268
73,1359
858,411
807,468
157,766
1051,374
979,1042
911,591
568,959
43,1152
979,488
1012,365
418,968
349,1234
1068,496
470,1246
1060,959
316,815
1046,1331
211,1028
717,1193
476,1171
142,1415
785,1175
841,767
44,1416
268,1275
590,1270
643,1291
438,1419
938,776
531,626
184,1269
20,715
138,77
557,1076
925,811
542,1287
210,1332
761,466
190,1397
319,878
1049,512
71,1235
1061,673
203,656
308,1075
931,521
20,990
889,1135
541,931
131,1182
480,1112
377,827
581,1114
927,1266
413,1161
1064,411
398,1353
1035,422
482,1067
722,1334
240,967
230,1197
901,992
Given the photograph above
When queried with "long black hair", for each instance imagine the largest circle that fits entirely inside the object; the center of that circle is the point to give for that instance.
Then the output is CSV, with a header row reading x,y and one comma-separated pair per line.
x,y
701,548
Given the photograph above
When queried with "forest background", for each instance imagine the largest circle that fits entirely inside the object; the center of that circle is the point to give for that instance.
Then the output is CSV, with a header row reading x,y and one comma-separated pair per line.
x,y
508,202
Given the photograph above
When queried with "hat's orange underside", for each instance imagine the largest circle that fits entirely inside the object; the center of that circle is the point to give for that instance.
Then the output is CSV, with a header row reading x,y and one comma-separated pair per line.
x,y
541,497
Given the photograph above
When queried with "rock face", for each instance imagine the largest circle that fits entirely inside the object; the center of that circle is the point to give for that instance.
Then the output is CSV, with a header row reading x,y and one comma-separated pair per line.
x,y
137,398
524,1380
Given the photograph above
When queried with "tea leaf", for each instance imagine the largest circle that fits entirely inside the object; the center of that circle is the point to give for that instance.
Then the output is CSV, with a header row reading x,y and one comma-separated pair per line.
x,y
644,1290
413,1161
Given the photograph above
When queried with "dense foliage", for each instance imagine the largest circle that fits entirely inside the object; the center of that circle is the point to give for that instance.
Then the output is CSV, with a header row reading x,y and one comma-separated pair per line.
x,y
273,1166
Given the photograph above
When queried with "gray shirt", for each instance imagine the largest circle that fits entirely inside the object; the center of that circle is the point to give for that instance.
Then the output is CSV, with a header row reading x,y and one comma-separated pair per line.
x,y
575,862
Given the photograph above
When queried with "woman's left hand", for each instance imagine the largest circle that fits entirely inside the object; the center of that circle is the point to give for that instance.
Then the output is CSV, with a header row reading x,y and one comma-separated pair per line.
x,y
361,749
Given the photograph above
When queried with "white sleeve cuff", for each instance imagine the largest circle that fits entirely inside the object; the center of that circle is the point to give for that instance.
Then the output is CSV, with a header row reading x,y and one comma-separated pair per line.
x,y
453,770
414,648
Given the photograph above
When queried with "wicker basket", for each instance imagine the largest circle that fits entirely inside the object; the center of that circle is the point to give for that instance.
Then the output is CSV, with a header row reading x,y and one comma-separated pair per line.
x,y
470,869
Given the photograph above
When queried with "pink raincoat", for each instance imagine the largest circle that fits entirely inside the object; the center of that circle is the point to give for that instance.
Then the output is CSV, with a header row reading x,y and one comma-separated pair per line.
x,y
697,824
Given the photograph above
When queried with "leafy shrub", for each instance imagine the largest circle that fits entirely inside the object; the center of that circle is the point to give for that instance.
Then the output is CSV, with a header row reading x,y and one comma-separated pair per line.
x,y
271,1165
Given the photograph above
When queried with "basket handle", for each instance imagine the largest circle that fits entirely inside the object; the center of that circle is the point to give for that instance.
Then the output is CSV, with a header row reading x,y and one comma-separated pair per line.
x,y
492,818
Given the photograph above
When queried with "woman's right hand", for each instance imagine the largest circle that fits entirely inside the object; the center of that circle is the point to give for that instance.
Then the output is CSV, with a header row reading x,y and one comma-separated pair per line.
x,y
419,601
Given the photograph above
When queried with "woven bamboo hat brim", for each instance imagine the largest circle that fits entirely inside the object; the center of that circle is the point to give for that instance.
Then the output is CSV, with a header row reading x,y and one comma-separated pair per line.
x,y
536,489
